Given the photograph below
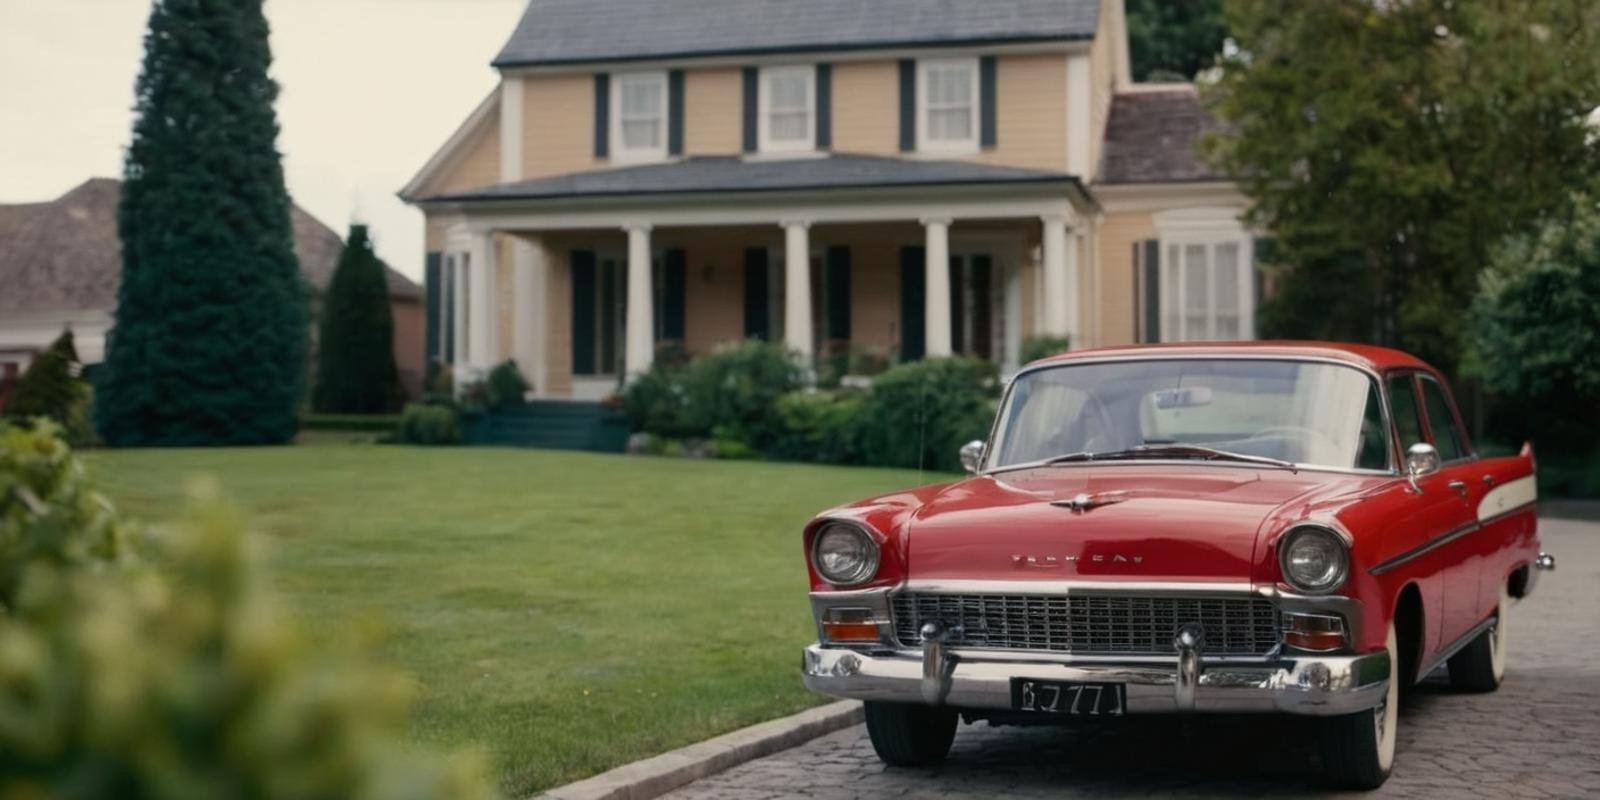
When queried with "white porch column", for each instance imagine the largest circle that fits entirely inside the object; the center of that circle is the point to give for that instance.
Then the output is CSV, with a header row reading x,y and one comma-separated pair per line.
x,y
1074,287
640,326
1056,281
937,248
526,279
480,298
797,288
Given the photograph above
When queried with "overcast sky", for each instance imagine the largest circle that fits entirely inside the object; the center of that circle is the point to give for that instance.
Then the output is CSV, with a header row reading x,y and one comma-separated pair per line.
x,y
370,88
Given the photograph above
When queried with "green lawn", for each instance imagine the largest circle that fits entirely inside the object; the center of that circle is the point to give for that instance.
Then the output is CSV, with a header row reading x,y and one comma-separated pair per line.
x,y
568,612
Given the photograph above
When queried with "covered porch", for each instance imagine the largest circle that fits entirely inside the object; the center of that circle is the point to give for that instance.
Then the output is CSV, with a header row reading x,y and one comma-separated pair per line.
x,y
584,290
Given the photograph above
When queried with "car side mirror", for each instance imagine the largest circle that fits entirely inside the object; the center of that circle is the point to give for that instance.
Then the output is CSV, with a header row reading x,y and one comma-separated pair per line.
x,y
1421,460
972,455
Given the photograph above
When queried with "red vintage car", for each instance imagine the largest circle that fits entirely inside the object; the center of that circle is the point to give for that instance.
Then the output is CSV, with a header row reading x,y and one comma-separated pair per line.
x,y
1301,528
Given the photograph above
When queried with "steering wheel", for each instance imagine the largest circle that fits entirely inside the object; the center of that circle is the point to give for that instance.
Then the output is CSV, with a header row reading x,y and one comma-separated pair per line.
x,y
1320,447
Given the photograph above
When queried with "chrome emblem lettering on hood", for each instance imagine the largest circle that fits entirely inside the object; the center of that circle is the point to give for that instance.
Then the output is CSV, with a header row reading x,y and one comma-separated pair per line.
x,y
1083,501
1050,561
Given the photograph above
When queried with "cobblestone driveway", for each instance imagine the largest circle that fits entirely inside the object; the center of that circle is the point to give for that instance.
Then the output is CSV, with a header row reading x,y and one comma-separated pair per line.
x,y
1538,736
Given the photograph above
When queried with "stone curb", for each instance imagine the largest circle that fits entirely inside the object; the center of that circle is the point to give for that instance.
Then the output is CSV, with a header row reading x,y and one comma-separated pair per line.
x,y
656,776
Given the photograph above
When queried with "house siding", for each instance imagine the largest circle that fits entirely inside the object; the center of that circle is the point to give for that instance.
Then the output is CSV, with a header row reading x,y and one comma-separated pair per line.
x,y
478,165
558,125
866,108
1102,78
1032,110
1118,307
713,110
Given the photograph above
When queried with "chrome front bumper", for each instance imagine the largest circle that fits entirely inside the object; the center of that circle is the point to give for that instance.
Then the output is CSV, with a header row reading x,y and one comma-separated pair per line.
x,y
1298,684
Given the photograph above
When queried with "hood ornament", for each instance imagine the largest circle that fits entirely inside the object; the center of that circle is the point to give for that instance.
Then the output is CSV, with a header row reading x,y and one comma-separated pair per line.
x,y
1083,501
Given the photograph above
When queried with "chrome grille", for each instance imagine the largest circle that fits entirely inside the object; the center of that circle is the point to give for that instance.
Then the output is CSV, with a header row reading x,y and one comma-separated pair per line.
x,y
1089,624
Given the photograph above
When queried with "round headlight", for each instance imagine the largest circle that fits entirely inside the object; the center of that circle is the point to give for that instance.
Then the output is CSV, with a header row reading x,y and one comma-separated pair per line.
x,y
844,554
1314,560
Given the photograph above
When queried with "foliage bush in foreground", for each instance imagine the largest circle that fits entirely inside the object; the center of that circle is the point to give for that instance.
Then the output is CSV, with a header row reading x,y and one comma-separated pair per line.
x,y
505,387
428,424
822,427
919,414
1037,347
729,394
178,681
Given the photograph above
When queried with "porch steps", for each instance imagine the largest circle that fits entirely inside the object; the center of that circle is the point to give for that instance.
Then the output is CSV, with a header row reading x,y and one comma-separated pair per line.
x,y
552,425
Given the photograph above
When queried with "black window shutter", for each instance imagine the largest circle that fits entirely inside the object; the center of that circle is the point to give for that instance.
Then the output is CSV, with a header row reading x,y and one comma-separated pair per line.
x,y
432,289
583,304
448,309
824,106
602,116
908,107
675,113
838,290
756,315
673,294
988,129
752,106
980,338
1150,280
613,293
913,303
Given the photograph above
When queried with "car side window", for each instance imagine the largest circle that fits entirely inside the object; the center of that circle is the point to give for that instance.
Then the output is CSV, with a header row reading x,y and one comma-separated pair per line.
x,y
1442,423
1407,418
1374,451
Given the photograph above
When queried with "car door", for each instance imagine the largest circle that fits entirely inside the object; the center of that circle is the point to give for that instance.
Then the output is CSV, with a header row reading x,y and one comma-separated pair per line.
x,y
1419,535
1465,551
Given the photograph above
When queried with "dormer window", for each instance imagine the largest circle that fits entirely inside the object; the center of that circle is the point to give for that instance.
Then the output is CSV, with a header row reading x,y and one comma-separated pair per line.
x,y
639,114
788,108
947,106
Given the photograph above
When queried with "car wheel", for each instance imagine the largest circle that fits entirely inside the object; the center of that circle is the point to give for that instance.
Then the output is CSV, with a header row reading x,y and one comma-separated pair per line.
x,y
1482,663
906,735
1358,749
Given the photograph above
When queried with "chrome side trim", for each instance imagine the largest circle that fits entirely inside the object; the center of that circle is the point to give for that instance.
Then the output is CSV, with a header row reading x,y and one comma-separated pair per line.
x,y
1455,647
1424,548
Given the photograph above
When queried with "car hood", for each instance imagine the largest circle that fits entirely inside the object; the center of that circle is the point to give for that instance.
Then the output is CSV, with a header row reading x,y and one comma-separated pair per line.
x,y
1142,522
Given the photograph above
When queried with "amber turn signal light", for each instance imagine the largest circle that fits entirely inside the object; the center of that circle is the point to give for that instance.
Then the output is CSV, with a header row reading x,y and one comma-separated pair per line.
x,y
1318,633
849,625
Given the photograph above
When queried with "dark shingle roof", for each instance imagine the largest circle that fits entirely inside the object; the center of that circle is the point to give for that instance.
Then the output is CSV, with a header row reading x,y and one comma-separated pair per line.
x,y
702,174
64,255
1153,136
575,31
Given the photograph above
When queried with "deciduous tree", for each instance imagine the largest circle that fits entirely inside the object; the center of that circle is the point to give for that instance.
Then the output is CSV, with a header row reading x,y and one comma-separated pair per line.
x,y
1388,146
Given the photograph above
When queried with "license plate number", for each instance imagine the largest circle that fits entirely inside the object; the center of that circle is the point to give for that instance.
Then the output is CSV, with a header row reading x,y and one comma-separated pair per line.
x,y
1068,697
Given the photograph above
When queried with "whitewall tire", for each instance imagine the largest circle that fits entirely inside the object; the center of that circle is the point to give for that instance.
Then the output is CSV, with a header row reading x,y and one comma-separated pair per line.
x,y
1358,749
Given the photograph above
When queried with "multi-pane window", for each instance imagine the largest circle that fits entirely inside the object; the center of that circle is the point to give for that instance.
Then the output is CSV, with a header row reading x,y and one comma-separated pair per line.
x,y
788,109
640,130
1206,291
948,118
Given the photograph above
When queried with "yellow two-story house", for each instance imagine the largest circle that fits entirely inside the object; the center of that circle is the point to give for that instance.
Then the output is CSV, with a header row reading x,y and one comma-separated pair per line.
x,y
898,177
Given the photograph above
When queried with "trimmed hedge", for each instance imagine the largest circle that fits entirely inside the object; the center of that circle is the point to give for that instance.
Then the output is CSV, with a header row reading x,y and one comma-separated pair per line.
x,y
376,423
429,424
920,413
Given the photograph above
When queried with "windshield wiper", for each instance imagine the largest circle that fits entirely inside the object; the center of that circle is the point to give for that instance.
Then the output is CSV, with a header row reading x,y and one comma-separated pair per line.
x,y
1195,451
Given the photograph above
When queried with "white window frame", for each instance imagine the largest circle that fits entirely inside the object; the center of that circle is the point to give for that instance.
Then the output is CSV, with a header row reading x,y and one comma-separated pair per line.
x,y
1209,228
764,110
619,151
965,146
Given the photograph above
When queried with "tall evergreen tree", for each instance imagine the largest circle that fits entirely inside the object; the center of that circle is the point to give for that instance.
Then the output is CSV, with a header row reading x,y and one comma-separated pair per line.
x,y
209,346
355,347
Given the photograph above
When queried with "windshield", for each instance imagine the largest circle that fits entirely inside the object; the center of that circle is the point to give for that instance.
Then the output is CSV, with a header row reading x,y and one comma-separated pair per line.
x,y
1308,413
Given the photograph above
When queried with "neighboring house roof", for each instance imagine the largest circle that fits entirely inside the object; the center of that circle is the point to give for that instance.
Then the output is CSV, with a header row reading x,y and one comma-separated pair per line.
x,y
64,255
578,31
702,174
1153,136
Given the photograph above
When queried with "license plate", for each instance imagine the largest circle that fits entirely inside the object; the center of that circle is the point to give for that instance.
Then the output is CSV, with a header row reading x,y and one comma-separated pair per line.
x,y
1068,697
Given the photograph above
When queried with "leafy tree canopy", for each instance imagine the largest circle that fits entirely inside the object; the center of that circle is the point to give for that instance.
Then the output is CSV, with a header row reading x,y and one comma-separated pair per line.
x,y
1174,39
1389,146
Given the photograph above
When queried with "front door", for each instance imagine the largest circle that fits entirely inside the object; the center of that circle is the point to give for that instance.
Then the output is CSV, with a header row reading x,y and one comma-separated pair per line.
x,y
974,315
